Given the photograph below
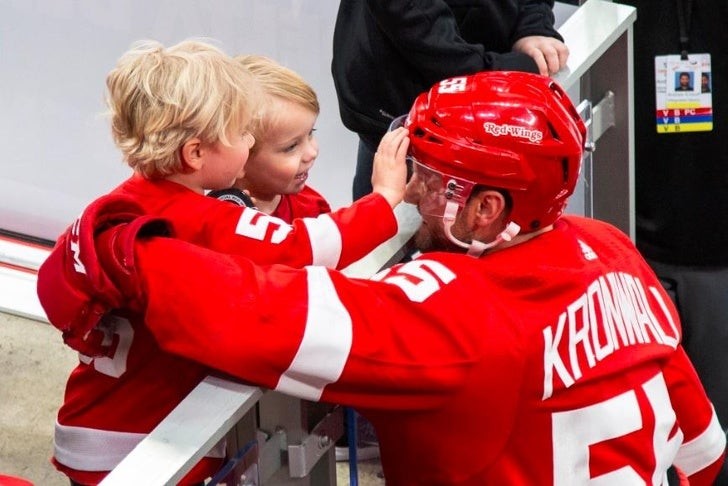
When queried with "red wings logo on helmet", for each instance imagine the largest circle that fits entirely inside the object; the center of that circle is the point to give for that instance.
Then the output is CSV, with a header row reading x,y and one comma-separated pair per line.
x,y
512,130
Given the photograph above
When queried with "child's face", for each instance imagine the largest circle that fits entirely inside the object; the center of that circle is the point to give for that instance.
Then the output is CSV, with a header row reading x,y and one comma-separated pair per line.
x,y
281,160
225,164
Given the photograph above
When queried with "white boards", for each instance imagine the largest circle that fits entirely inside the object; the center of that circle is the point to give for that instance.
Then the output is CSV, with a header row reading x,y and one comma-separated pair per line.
x,y
54,57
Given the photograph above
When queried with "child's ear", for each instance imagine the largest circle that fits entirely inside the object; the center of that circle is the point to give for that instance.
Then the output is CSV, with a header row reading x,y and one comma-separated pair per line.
x,y
191,154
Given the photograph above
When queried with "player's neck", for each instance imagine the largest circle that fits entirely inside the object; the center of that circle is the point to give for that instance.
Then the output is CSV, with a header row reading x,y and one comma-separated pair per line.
x,y
521,238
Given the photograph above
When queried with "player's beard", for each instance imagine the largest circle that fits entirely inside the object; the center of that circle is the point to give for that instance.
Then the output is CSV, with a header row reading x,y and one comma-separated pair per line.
x,y
430,236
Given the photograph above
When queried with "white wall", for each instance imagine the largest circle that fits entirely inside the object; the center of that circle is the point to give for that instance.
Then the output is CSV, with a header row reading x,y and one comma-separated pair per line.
x,y
54,56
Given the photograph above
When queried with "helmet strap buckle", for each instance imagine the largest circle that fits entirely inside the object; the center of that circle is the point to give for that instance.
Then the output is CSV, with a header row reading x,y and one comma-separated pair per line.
x,y
475,248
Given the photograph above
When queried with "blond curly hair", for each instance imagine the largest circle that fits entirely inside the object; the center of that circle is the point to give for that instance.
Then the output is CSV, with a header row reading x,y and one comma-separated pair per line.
x,y
159,98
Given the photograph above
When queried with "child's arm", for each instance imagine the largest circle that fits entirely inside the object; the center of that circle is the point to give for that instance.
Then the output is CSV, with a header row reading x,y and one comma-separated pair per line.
x,y
334,240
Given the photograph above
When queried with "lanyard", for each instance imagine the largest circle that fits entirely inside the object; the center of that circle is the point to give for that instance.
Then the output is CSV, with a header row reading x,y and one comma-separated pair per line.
x,y
684,14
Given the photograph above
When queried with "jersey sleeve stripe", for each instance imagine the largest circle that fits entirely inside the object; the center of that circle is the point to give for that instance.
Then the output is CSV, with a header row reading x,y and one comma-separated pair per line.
x,y
326,342
325,240
703,450
87,449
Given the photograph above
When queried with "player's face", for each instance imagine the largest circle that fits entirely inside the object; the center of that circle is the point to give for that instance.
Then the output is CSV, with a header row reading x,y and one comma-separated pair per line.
x,y
425,190
430,236
284,154
684,80
223,164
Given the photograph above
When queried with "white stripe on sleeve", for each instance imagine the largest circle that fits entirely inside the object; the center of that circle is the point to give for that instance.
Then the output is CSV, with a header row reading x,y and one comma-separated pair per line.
x,y
325,240
703,450
87,449
326,342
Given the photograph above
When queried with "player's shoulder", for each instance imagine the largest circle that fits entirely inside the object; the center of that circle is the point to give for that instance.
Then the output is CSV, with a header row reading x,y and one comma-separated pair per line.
x,y
592,227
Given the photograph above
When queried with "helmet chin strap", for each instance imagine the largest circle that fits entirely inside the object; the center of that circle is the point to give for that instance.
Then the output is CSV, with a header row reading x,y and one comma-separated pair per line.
x,y
475,248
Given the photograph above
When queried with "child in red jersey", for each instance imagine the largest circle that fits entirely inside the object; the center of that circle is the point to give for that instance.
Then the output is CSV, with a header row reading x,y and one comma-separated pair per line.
x,y
181,117
279,164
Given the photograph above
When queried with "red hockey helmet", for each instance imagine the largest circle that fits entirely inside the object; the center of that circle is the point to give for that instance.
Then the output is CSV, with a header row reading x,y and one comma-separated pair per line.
x,y
510,130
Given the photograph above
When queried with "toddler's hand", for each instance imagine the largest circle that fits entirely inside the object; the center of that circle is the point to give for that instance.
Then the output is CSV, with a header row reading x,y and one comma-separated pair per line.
x,y
389,174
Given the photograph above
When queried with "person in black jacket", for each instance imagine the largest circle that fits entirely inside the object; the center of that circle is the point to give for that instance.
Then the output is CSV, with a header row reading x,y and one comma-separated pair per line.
x,y
681,186
388,52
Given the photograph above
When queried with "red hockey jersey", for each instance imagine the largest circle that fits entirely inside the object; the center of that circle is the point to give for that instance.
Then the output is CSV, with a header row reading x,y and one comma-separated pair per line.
x,y
304,204
556,361
110,404
333,240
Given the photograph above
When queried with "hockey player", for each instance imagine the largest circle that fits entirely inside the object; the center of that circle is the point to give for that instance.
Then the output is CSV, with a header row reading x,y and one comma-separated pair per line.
x,y
180,116
523,347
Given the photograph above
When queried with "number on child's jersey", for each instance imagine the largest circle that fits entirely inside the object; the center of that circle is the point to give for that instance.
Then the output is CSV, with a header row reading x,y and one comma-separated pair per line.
x,y
114,366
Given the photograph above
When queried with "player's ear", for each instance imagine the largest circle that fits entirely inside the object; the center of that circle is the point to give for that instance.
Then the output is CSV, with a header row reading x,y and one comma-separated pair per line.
x,y
191,154
490,206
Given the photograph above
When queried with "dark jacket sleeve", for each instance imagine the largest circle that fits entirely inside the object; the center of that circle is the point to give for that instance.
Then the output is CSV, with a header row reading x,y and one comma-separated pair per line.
x,y
427,34
535,17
